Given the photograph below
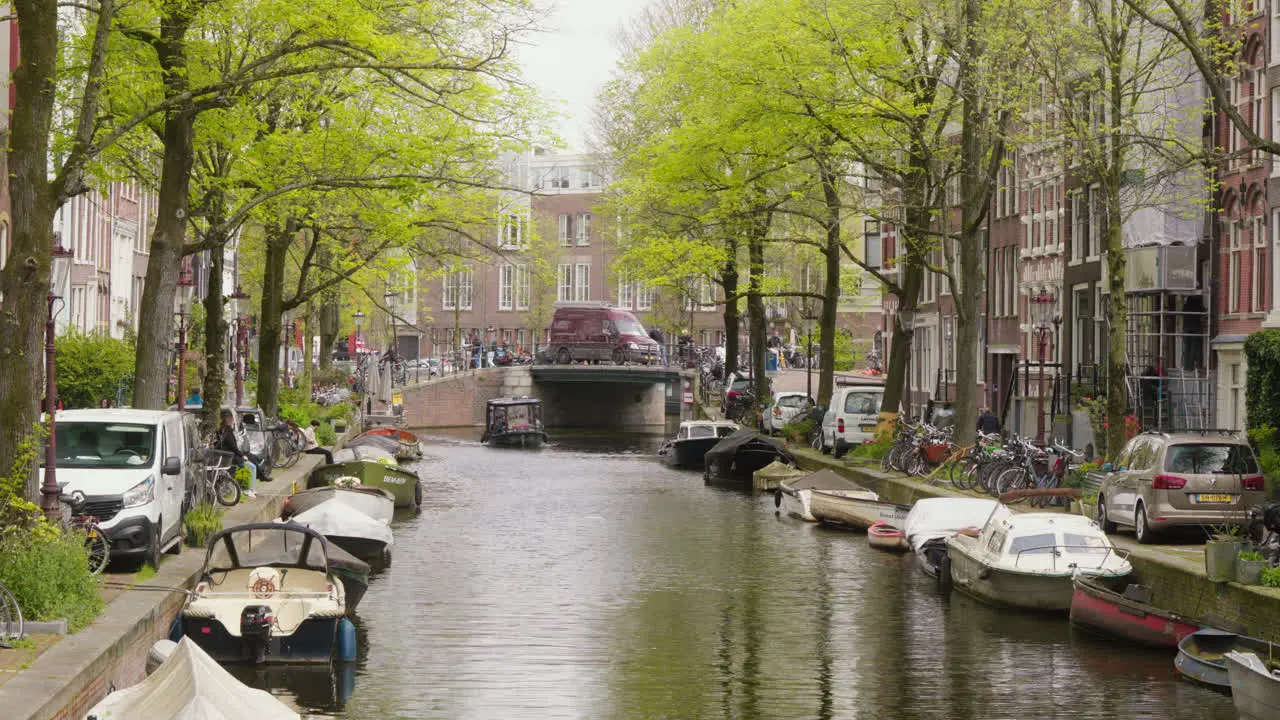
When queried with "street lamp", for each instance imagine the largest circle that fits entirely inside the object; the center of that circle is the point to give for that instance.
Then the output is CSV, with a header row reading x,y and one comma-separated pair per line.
x,y
395,339
59,274
359,318
907,321
186,280
242,341
1042,307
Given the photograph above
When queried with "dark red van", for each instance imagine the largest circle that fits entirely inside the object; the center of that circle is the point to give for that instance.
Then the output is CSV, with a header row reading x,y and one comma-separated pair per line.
x,y
597,332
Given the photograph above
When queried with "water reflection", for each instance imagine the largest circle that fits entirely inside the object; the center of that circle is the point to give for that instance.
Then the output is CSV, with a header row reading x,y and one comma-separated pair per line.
x,y
587,580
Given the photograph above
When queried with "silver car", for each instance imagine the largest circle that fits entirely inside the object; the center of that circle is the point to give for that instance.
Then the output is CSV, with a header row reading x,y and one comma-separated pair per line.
x,y
785,408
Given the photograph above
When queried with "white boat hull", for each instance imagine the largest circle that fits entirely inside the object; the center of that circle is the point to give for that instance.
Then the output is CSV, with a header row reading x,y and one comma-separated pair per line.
x,y
854,509
796,504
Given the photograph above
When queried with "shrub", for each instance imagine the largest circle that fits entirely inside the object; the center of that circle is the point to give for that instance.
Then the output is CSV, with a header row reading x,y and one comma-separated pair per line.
x,y
326,435
1263,440
244,476
1250,556
1262,396
49,577
1271,577
91,367
200,523
799,431
878,448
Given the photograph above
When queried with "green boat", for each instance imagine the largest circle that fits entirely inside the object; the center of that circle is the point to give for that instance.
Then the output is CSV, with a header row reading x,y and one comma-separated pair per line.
x,y
371,467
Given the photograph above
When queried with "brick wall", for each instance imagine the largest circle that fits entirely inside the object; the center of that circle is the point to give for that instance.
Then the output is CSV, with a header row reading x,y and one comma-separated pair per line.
x,y
453,401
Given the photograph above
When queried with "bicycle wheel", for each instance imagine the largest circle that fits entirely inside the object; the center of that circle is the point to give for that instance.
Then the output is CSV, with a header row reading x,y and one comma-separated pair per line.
x,y
226,489
99,549
960,473
10,616
280,450
1014,478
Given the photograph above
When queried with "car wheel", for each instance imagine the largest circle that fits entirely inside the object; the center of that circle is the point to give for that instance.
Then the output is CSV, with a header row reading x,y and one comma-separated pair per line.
x,y
562,357
826,449
1141,530
619,358
152,556
839,452
1106,525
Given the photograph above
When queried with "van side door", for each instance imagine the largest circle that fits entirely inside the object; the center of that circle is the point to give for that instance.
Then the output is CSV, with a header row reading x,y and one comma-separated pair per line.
x,y
171,488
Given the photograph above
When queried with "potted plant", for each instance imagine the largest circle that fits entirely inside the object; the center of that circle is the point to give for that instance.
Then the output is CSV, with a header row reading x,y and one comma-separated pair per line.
x,y
1249,565
200,523
1220,552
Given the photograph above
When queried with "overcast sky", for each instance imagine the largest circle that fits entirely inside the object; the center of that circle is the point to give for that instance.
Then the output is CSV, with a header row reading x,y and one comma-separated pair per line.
x,y
573,59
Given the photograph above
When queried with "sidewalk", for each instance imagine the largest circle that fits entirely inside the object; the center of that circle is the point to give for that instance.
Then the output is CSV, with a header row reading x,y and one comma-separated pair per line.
x,y
65,676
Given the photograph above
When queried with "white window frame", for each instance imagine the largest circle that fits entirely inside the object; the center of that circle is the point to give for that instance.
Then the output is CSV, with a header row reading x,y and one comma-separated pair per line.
x,y
644,296
522,287
565,221
564,282
583,226
626,290
512,232
1258,291
466,287
582,282
1233,267
506,287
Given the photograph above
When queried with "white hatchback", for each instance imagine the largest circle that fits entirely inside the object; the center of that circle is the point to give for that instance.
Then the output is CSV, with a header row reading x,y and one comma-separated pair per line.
x,y
785,408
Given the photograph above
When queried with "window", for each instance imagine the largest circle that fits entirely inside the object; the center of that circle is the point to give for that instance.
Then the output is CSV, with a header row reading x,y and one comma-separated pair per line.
x,y
457,290
506,287
1233,267
1210,459
522,287
584,228
1039,544
581,282
566,228
564,283
559,178
644,296
512,233
587,178
1258,293
1275,97
872,251
4,244
625,291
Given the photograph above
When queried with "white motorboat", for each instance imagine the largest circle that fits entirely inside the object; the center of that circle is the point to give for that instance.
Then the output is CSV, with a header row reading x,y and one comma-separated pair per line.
x,y
933,520
190,684
374,502
267,594
692,441
794,495
853,509
348,528
1028,560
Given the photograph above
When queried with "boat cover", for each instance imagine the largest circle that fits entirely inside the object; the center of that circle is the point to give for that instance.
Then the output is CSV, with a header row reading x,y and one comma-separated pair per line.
x,y
339,559
382,442
823,480
337,519
190,685
777,471
745,438
364,452
936,518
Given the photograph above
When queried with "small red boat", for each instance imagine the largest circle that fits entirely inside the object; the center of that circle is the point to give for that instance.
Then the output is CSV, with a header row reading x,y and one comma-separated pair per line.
x,y
884,536
1129,615
402,443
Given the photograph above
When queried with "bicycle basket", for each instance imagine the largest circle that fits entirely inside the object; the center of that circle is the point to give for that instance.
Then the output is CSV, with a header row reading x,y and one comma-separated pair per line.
x,y
935,453
219,460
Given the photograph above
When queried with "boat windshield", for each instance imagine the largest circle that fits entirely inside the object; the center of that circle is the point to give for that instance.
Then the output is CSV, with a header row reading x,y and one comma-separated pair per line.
x,y
104,445
1039,544
725,431
278,547
1079,544
702,431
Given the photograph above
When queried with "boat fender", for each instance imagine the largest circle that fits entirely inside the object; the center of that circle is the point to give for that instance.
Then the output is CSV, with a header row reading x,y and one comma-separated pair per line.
x,y
346,640
944,574
159,652
175,630
777,498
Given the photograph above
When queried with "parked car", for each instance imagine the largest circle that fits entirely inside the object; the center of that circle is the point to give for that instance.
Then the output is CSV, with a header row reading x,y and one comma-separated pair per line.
x,y
595,332
134,470
851,418
1161,481
785,408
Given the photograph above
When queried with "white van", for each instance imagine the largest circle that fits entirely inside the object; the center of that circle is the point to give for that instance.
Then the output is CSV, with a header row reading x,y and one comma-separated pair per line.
x,y
131,469
851,417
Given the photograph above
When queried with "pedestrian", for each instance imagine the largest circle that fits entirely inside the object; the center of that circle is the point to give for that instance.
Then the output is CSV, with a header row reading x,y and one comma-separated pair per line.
x,y
227,442
655,334
105,403
988,423
309,442
196,399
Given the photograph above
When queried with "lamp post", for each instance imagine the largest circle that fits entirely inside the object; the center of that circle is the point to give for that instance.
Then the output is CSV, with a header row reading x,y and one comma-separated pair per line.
x,y
185,280
241,340
290,332
907,321
359,318
1042,306
59,273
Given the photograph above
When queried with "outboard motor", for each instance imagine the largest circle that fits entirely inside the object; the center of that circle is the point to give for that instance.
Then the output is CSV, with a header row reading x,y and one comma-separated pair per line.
x,y
255,630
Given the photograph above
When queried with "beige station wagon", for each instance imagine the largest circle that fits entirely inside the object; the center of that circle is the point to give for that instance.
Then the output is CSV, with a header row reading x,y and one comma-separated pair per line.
x,y
1163,480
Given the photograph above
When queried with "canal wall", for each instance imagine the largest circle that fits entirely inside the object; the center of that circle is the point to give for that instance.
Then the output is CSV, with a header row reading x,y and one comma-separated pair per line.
x,y
1175,573
73,675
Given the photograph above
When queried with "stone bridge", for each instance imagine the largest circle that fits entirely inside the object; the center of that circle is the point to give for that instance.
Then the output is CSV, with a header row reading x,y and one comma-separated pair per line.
x,y
631,398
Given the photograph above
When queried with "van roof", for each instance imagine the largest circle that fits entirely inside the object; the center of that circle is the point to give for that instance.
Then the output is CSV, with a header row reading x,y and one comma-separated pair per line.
x,y
149,417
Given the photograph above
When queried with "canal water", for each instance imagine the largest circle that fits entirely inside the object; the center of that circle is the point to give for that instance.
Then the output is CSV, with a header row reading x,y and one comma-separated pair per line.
x,y
587,580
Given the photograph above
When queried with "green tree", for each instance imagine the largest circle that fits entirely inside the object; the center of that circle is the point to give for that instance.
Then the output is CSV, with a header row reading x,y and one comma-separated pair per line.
x,y
92,368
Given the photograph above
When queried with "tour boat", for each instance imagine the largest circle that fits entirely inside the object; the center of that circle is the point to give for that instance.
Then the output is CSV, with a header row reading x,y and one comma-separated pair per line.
x,y
1255,684
1127,614
514,422
933,520
353,531
373,467
884,536
742,453
1028,560
267,593
374,502
693,439
1202,658
853,509
794,495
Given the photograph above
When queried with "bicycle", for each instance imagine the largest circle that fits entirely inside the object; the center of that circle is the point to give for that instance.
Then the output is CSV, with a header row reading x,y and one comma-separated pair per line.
x,y
10,618
287,443
217,482
96,544
1026,476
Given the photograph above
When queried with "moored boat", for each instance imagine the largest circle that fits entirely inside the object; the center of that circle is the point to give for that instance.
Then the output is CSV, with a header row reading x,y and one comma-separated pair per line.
x,y
794,495
1127,614
1255,684
374,502
933,520
1028,560
266,593
852,509
739,455
884,536
692,440
514,422
373,467
1202,655
407,446
348,528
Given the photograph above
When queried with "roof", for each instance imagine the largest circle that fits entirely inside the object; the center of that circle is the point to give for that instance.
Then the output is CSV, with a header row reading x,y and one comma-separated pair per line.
x,y
114,415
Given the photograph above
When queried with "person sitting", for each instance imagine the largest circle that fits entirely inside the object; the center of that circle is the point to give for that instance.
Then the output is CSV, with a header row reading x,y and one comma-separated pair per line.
x,y
226,441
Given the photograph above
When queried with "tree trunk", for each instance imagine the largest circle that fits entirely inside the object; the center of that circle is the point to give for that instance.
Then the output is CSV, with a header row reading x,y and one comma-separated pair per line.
x,y
308,350
757,323
1117,304
729,280
25,280
831,290
329,321
215,343
271,314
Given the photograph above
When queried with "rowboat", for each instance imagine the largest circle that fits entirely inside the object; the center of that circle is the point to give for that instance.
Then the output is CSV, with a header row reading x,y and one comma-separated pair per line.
x,y
1255,684
794,495
401,443
1202,656
374,502
372,467
852,509
1129,614
884,536
353,531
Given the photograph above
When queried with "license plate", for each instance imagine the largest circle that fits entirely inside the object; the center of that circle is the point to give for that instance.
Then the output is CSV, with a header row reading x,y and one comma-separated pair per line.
x,y
1215,498
867,428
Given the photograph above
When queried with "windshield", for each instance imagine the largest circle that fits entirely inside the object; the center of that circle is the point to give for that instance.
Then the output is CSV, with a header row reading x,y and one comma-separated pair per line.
x,y
629,326
702,431
862,403
1203,458
1083,544
741,384
793,401
105,445
1032,544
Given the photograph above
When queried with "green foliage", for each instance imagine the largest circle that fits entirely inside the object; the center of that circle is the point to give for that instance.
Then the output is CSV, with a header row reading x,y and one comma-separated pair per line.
x,y
1271,577
1264,441
244,476
1076,477
1262,398
800,430
1251,556
326,435
1096,409
201,522
18,515
877,448
49,576
91,367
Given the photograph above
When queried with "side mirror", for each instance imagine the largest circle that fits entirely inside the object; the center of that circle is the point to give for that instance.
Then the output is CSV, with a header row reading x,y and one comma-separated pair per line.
x,y
171,466
1108,467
